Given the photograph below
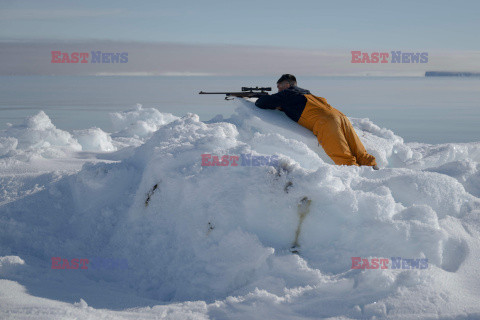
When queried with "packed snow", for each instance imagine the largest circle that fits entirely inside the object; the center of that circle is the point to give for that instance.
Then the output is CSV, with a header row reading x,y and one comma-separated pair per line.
x,y
168,237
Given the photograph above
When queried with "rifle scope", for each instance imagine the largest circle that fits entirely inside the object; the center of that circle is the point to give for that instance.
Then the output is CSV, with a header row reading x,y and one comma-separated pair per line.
x,y
256,89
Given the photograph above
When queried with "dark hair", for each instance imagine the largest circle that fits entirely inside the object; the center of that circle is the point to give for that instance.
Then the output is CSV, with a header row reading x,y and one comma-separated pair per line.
x,y
290,78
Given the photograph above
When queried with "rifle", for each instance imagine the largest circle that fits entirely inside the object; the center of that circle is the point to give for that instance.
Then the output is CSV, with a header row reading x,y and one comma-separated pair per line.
x,y
247,92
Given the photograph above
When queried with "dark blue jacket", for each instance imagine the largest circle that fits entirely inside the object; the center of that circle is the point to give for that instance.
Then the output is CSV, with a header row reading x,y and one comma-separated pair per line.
x,y
291,100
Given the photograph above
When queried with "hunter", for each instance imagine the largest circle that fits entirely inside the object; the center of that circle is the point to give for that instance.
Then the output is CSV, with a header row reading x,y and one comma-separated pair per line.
x,y
331,127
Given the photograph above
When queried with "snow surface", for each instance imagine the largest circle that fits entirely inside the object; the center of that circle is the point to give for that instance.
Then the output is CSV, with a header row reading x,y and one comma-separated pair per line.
x,y
213,242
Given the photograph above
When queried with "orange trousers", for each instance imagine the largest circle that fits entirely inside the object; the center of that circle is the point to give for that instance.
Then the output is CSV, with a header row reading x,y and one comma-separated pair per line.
x,y
334,132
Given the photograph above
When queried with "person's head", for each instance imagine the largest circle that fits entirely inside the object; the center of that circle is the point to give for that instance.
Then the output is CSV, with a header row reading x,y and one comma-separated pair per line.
x,y
286,81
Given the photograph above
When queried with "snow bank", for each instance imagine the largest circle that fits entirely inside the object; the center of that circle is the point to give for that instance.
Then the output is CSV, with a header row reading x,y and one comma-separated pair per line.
x,y
139,122
94,139
8,263
38,138
220,235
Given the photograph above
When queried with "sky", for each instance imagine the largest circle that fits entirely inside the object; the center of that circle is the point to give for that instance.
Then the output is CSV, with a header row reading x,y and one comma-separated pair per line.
x,y
447,30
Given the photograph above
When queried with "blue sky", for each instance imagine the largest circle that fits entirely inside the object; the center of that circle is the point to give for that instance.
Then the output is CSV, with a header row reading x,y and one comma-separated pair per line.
x,y
387,25
240,38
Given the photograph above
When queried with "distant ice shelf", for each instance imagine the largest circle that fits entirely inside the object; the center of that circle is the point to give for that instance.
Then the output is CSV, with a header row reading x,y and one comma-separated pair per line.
x,y
451,74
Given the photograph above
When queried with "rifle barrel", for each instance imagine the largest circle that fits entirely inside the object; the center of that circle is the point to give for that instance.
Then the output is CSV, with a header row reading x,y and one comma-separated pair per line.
x,y
203,92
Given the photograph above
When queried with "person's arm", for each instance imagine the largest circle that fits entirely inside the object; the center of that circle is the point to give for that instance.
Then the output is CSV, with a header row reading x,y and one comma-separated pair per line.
x,y
273,101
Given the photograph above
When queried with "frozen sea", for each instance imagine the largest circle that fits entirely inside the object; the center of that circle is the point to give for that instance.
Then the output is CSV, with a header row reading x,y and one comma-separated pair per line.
x,y
110,171
428,110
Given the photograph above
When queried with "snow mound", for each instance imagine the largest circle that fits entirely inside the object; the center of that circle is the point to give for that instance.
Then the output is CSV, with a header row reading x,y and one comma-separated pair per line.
x,y
94,139
139,122
8,263
38,138
221,234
